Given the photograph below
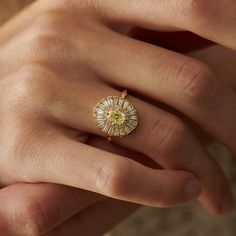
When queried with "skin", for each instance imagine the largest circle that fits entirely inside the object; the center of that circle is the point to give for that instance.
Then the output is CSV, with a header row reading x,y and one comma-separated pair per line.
x,y
47,131
49,209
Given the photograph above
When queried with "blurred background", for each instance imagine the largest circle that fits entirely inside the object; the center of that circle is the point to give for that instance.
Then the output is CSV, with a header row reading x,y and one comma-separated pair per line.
x,y
190,220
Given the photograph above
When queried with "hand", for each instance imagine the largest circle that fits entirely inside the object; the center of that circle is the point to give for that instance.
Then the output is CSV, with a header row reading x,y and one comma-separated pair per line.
x,y
50,209
222,61
46,209
47,122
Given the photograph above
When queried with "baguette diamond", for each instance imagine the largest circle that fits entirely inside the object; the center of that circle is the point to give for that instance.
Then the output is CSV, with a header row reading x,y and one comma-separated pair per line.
x,y
115,116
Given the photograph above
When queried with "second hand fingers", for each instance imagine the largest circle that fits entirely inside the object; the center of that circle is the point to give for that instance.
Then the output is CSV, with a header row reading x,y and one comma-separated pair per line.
x,y
35,209
160,135
196,16
179,81
66,161
46,206
174,79
112,210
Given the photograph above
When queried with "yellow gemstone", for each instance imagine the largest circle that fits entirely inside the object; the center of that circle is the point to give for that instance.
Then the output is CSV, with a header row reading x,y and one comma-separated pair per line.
x,y
116,117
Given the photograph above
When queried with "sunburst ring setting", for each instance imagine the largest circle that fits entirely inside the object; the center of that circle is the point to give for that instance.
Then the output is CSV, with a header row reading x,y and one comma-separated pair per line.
x,y
116,116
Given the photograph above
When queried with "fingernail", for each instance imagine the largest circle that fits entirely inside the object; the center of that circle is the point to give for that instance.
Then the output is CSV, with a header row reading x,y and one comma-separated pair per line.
x,y
192,189
227,204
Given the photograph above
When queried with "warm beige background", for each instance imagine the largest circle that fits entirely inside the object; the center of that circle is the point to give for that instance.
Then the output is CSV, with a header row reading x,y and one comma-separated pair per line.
x,y
182,221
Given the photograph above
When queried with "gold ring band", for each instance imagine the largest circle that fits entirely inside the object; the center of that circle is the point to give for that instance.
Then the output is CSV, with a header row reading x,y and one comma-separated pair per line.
x,y
116,116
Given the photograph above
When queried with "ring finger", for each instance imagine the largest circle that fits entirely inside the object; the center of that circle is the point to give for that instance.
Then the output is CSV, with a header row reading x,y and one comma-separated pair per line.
x,y
182,82
160,135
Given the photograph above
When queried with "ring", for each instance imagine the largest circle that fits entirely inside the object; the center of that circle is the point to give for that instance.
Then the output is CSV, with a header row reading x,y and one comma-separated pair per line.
x,y
116,116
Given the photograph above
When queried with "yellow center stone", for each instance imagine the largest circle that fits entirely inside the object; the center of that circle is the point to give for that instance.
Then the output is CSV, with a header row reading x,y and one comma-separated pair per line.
x,y
116,117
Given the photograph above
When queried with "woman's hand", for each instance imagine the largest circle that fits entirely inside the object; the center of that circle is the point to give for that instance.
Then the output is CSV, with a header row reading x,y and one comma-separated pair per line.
x,y
59,58
50,209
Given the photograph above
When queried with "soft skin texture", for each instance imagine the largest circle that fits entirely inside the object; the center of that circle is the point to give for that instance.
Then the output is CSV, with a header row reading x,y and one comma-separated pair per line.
x,y
59,58
49,209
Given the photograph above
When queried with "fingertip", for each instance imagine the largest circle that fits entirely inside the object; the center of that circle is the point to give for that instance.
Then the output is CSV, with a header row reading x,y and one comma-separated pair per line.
x,y
227,205
178,188
192,189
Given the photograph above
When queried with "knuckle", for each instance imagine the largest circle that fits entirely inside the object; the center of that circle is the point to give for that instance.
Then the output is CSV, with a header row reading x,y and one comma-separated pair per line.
x,y
50,21
47,47
46,40
111,179
191,8
196,81
30,92
169,132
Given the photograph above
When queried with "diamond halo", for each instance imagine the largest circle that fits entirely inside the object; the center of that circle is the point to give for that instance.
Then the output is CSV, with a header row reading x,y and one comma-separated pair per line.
x,y
115,116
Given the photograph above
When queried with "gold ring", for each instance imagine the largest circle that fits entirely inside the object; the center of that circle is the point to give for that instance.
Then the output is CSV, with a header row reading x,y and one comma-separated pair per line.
x,y
116,116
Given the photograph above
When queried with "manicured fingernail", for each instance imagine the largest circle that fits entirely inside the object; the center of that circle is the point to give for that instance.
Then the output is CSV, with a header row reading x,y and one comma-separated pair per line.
x,y
192,189
227,204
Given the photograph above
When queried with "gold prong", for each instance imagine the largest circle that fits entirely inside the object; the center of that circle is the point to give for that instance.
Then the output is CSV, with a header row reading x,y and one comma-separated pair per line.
x,y
124,93
112,114
109,139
